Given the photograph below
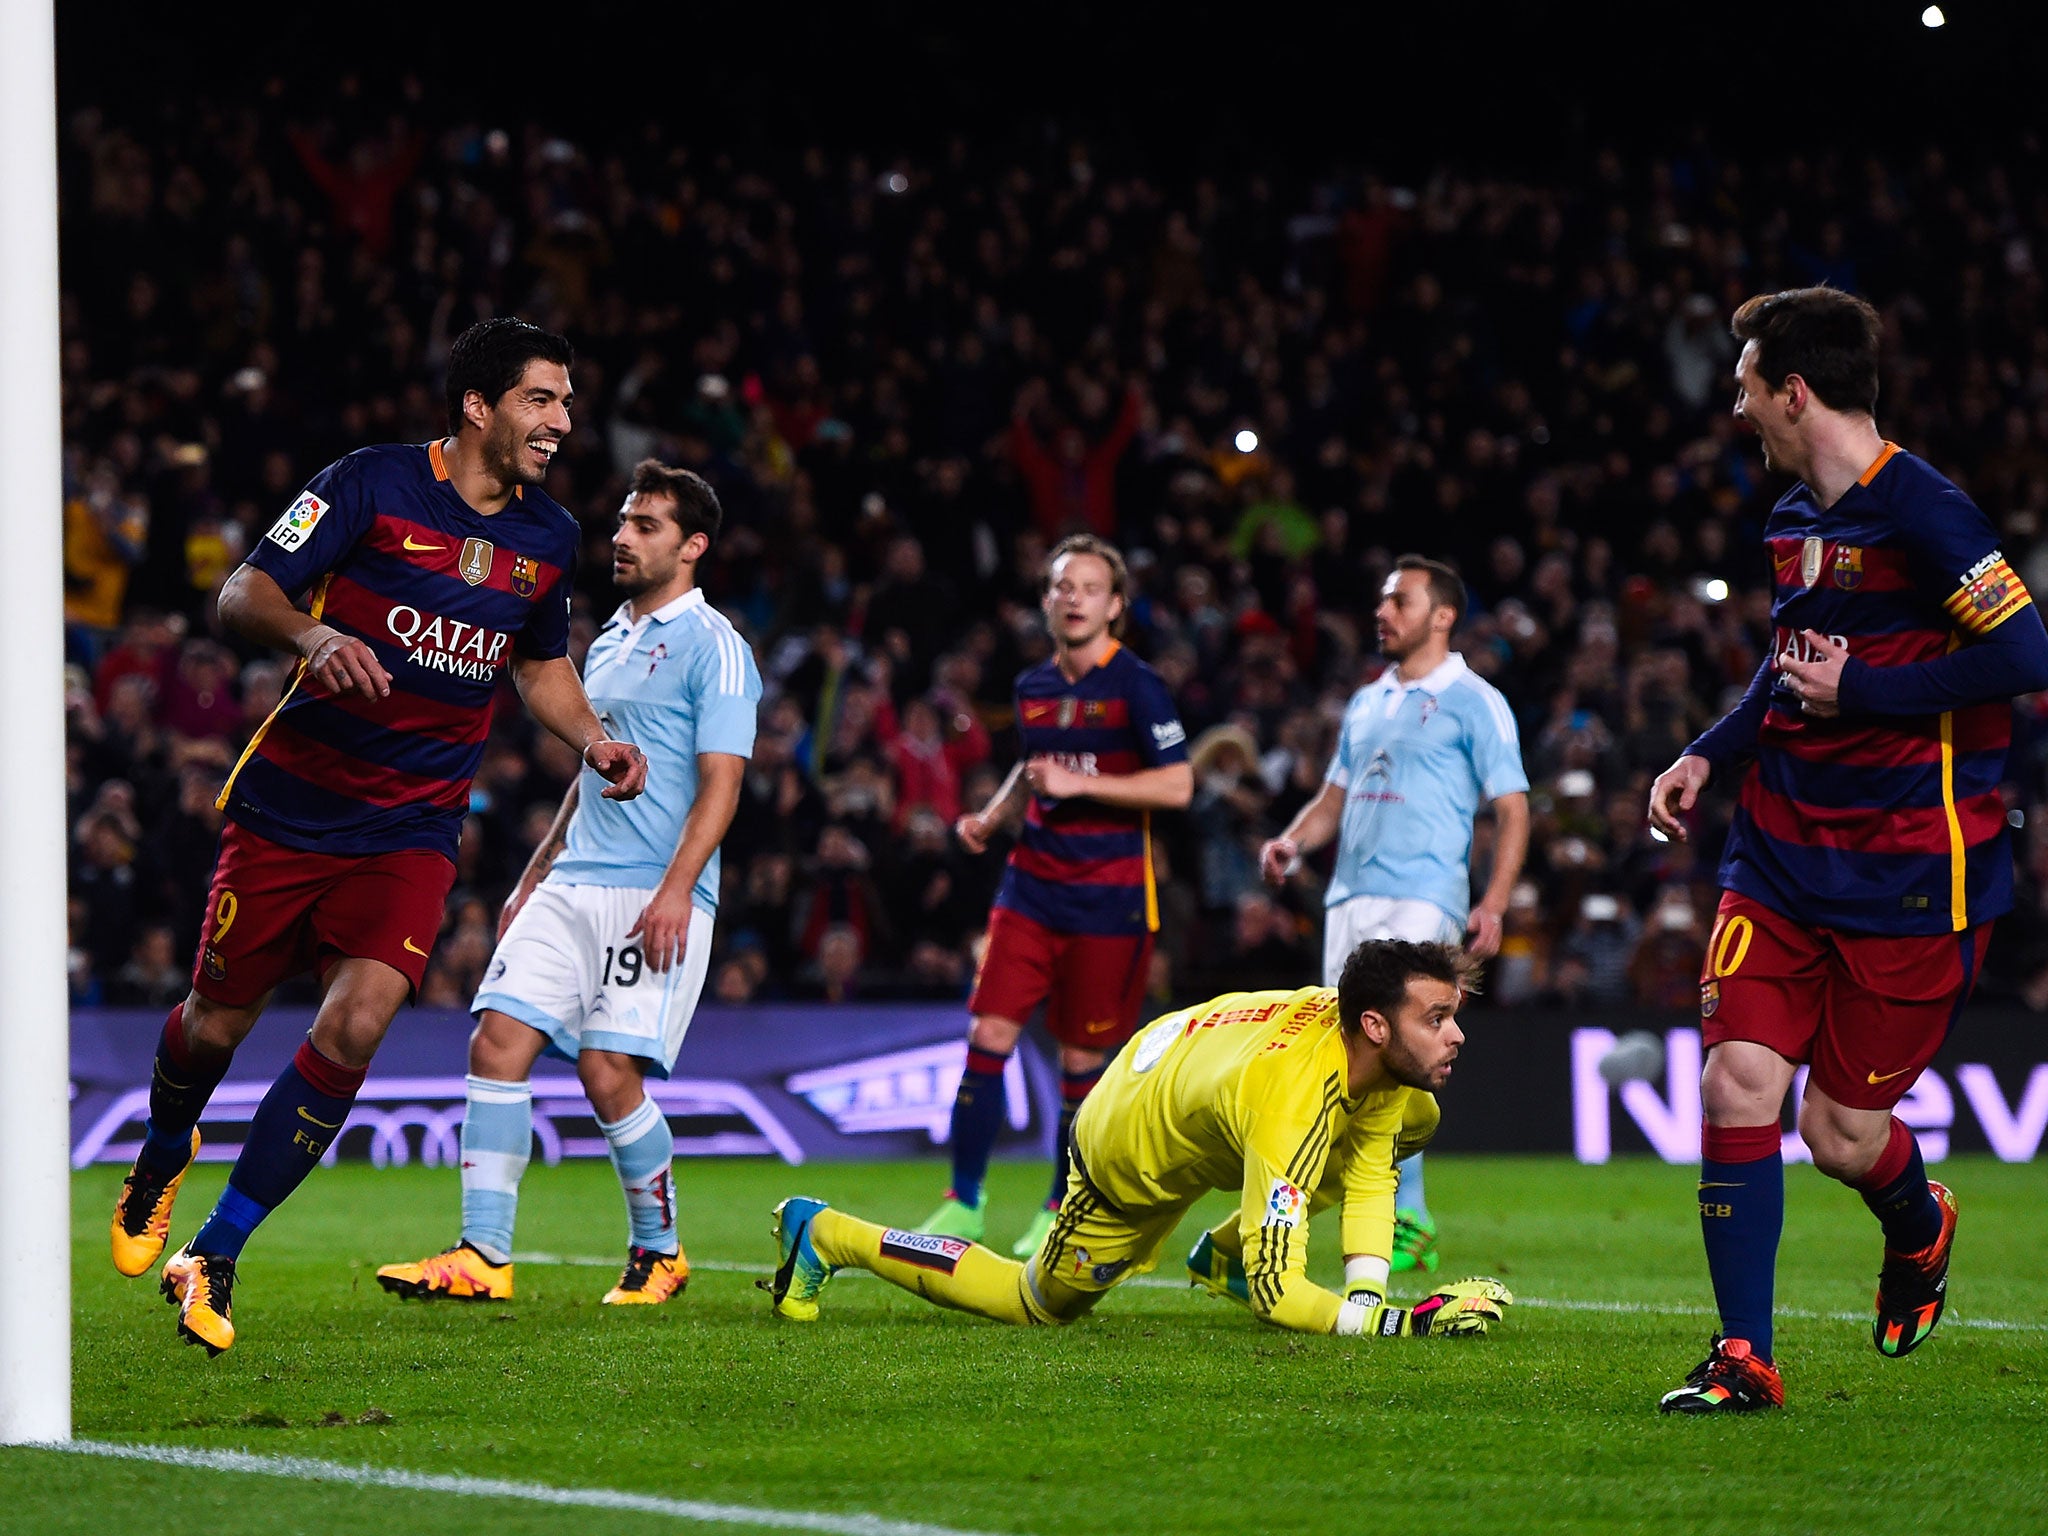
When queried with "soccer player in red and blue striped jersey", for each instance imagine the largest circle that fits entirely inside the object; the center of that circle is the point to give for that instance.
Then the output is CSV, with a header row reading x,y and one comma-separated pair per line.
x,y
1868,853
428,573
1074,917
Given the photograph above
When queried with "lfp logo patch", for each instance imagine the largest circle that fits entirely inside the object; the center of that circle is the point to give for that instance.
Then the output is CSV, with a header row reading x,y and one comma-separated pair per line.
x,y
1286,1206
298,522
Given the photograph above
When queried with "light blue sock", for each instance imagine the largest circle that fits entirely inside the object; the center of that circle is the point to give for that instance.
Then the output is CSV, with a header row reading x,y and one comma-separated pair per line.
x,y
1408,1194
497,1139
643,1147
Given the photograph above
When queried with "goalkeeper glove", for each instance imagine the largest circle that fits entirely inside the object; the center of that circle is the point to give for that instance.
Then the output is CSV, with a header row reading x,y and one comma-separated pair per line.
x,y
1459,1310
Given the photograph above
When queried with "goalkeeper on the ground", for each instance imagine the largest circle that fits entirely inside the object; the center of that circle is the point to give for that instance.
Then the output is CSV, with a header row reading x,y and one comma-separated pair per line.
x,y
1298,1099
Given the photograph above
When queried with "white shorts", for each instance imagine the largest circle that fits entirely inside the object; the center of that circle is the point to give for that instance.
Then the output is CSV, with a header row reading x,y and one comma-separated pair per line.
x,y
1350,923
566,968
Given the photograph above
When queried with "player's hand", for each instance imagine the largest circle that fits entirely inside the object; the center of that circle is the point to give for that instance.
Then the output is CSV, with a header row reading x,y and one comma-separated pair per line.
x,y
1485,926
1279,857
621,764
1462,1309
663,928
1674,793
973,830
1816,684
343,664
1049,779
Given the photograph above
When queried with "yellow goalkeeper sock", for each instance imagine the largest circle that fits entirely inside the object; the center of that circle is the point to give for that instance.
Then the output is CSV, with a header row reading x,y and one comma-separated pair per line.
x,y
961,1275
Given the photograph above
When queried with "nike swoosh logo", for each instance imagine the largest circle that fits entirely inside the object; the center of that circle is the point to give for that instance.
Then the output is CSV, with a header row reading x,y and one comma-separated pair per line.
x,y
414,948
422,549
321,1123
1873,1079
1710,1184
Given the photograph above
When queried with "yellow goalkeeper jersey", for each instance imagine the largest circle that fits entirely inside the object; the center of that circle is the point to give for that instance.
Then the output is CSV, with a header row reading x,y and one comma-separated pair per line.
x,y
1247,1092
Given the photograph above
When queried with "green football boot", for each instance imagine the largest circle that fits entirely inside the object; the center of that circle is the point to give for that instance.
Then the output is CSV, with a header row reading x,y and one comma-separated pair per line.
x,y
1035,1234
956,1218
1414,1243
1218,1273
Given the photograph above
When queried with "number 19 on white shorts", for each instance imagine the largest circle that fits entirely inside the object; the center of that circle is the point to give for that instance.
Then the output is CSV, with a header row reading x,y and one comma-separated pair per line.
x,y
568,968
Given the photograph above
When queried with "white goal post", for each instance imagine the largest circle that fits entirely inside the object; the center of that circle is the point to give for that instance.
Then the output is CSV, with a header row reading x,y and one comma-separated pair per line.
x,y
35,1032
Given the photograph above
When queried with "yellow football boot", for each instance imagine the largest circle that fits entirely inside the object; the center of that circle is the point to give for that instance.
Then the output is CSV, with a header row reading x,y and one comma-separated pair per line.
x,y
202,1287
460,1273
650,1278
142,1216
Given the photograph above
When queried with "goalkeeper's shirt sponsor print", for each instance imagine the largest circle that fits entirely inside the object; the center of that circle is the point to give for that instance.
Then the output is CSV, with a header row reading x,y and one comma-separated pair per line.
x,y
1246,1092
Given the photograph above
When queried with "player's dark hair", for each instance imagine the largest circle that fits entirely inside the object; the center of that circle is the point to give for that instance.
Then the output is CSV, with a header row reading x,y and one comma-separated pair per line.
x,y
1827,337
690,494
1446,586
1109,555
491,357
1376,976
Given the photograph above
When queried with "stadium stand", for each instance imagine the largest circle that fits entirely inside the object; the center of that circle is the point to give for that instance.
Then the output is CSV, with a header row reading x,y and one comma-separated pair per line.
x,y
906,377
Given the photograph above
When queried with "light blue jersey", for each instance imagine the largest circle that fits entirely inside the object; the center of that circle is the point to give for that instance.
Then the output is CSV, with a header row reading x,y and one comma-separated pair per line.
x,y
678,682
1416,761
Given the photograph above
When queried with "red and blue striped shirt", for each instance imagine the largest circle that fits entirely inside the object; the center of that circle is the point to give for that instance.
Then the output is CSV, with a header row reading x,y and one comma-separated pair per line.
x,y
1887,818
446,596
1081,866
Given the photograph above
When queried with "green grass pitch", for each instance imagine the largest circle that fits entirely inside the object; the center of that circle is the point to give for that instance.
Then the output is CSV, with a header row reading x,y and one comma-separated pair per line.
x,y
1167,1411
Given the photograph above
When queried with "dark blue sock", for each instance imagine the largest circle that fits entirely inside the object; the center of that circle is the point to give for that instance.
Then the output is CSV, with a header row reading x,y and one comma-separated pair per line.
x,y
1074,1090
290,1131
1742,1215
179,1085
1896,1191
977,1120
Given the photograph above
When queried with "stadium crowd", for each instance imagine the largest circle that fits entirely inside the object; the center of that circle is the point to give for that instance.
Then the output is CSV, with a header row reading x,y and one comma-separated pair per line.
x,y
906,378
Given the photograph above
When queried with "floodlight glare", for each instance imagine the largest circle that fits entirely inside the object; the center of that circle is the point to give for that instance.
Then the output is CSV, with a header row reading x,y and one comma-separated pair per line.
x,y
1932,17
1247,441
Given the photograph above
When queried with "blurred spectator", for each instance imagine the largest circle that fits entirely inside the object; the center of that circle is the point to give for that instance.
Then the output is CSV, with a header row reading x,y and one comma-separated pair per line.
x,y
153,976
1595,956
1262,386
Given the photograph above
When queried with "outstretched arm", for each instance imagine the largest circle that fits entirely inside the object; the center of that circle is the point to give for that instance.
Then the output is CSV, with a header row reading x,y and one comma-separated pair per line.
x,y
554,694
1166,788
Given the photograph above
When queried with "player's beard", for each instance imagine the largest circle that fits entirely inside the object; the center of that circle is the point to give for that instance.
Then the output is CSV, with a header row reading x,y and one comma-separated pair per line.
x,y
642,575
505,455
1404,1066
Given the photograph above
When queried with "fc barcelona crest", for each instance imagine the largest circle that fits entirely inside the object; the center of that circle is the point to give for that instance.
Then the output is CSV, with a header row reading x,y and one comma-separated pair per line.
x,y
1069,708
1809,562
525,575
475,564
1848,566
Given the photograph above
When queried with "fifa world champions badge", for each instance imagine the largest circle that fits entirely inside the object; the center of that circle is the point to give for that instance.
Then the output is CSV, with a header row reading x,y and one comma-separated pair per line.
x,y
1809,562
475,562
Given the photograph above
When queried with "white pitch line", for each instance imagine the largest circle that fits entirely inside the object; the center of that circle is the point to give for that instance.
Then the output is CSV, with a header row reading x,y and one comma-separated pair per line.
x,y
306,1469
1547,1303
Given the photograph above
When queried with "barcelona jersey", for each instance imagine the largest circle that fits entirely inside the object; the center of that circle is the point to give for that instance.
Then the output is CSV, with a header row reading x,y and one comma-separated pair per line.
x,y
389,553
1081,866
1881,823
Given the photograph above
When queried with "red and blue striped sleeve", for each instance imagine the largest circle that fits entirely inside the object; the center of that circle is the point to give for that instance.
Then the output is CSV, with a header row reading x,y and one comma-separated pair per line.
x,y
1155,721
313,534
2000,647
1731,741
